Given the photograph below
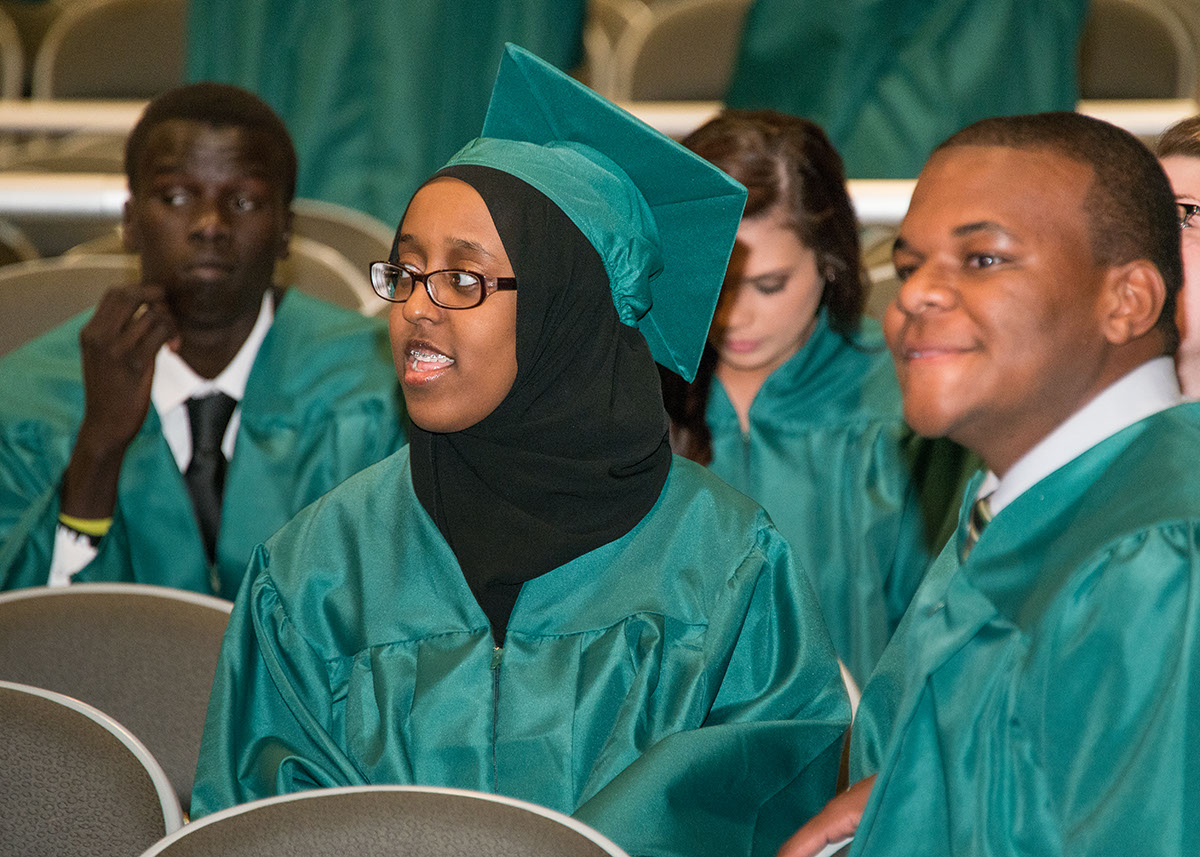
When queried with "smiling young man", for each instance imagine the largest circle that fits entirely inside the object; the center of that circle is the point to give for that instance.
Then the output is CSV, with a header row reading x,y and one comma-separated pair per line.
x,y
159,438
1039,696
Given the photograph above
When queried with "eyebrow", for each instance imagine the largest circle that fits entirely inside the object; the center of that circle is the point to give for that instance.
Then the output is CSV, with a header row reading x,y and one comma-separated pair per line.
x,y
766,275
980,226
963,231
457,243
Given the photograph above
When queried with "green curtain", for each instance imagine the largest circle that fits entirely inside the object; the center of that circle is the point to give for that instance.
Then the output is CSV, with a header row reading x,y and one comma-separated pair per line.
x,y
378,94
890,79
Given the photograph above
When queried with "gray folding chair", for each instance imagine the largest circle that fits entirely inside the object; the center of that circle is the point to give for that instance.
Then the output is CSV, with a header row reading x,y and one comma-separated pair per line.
x,y
146,655
15,245
1164,65
361,238
12,58
607,21
112,49
73,781
384,821
38,295
684,50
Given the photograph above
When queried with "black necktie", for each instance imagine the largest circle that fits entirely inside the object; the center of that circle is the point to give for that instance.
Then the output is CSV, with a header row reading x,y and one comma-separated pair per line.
x,y
205,476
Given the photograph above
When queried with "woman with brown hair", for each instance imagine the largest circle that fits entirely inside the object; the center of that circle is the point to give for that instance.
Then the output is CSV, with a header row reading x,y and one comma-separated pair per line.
x,y
796,403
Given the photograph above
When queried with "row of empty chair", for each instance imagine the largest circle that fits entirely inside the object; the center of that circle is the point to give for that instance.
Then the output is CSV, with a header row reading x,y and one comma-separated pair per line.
x,y
143,655
103,693
634,49
76,781
674,50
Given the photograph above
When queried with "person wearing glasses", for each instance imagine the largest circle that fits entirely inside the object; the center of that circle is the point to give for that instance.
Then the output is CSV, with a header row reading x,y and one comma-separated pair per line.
x,y
796,403
1178,151
160,437
1040,694
534,598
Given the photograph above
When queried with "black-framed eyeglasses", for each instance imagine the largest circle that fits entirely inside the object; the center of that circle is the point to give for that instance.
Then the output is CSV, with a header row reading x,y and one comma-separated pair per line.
x,y
1187,210
450,289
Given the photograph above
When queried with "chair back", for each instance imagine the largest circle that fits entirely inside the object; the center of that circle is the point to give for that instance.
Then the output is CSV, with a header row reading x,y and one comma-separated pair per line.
x,y
76,56
312,266
73,781
38,295
361,238
323,272
383,821
607,21
1163,66
12,58
15,245
145,655
684,50
1189,14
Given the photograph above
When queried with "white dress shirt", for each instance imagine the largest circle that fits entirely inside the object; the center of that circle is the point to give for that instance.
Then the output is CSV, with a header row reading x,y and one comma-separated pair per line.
x,y
174,383
1148,389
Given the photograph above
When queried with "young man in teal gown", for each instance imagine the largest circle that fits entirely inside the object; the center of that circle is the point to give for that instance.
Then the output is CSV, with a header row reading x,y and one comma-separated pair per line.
x,y
104,473
1040,695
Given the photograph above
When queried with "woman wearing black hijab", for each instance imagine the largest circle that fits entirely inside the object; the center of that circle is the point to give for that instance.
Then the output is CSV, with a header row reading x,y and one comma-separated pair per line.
x,y
533,598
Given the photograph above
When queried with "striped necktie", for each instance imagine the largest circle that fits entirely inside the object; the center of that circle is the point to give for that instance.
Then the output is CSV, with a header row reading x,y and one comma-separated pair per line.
x,y
977,519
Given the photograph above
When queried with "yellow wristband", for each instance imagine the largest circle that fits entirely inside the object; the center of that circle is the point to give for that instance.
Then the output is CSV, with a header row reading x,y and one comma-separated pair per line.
x,y
95,527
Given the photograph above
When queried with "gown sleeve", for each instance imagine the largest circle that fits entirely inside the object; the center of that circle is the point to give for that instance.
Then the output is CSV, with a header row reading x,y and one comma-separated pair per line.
x,y
1115,689
267,674
766,757
28,516
30,484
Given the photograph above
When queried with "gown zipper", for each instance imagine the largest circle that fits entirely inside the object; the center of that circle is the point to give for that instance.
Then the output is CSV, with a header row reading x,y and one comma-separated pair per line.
x,y
497,656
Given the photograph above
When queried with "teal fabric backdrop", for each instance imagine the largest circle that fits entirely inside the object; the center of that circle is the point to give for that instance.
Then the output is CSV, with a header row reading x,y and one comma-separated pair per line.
x,y
890,79
377,93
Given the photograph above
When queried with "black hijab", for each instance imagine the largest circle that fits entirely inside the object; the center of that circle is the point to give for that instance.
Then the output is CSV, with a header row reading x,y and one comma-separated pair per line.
x,y
577,452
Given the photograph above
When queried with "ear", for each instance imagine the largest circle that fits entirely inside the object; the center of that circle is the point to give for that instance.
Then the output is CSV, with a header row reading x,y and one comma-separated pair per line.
x,y
1134,294
130,237
285,237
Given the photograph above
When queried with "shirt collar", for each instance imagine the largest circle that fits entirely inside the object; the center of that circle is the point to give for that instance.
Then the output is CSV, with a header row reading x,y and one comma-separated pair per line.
x,y
175,382
1148,389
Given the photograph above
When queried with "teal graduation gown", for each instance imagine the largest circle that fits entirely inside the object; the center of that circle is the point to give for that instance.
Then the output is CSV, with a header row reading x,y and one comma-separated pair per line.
x,y
321,403
862,500
674,688
1041,697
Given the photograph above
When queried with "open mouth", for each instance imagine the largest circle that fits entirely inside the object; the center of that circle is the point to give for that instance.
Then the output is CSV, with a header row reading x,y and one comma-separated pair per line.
x,y
423,363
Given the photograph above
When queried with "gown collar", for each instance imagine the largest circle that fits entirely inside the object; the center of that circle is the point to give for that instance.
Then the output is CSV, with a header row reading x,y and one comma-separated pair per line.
x,y
1148,389
826,365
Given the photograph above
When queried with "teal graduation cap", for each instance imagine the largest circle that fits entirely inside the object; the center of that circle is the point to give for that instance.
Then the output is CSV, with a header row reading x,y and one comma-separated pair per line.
x,y
662,219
